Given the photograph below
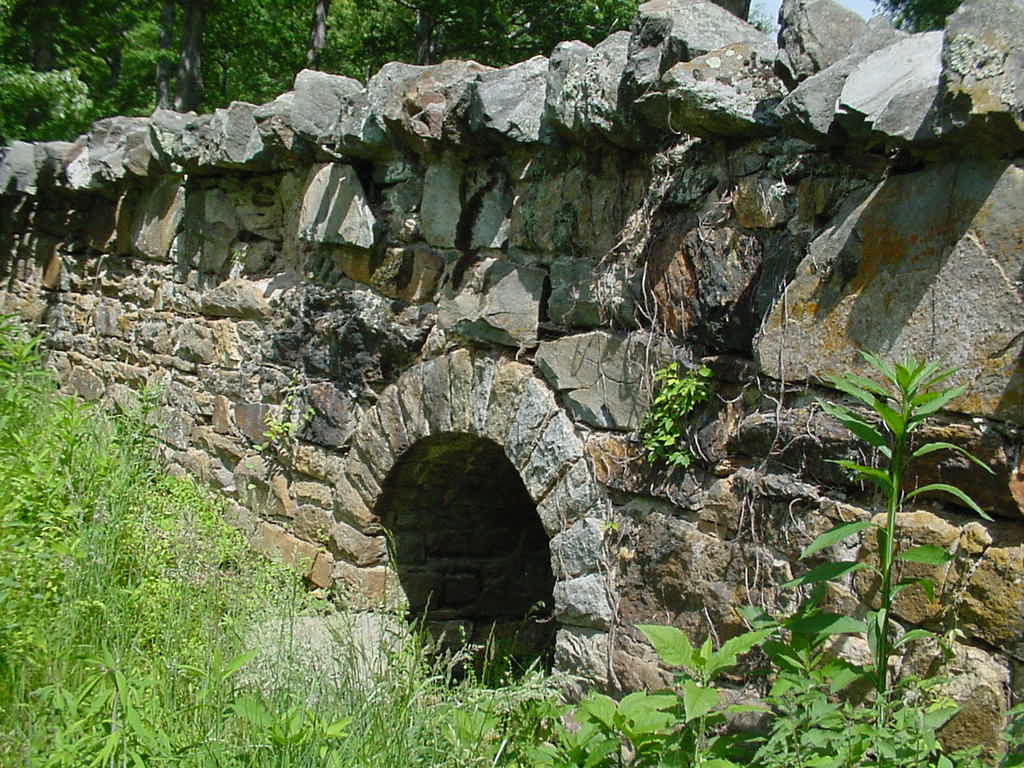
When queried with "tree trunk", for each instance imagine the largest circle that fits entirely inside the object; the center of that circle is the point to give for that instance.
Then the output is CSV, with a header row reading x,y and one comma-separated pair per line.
x,y
165,65
425,43
45,20
317,33
190,66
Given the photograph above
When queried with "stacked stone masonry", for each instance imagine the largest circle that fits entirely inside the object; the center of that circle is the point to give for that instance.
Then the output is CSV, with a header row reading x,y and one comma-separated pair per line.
x,y
455,269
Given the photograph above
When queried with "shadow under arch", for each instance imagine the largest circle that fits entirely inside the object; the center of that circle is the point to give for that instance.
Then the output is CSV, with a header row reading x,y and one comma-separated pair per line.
x,y
468,547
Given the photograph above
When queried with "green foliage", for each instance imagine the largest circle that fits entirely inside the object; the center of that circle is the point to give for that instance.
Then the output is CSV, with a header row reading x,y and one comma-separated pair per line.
x,y
817,719
919,15
1014,735
899,406
124,601
682,726
365,35
663,432
64,65
42,105
700,741
281,427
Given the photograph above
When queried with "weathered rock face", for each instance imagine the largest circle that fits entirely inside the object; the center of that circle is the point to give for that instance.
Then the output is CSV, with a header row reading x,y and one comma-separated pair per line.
x,y
897,271
894,90
983,70
454,285
814,35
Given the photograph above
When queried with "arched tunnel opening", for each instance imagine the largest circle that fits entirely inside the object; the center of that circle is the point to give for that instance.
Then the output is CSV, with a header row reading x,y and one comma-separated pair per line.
x,y
469,548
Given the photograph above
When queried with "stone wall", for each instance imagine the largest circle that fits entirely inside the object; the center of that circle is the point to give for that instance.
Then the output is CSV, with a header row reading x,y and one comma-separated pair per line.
x,y
444,293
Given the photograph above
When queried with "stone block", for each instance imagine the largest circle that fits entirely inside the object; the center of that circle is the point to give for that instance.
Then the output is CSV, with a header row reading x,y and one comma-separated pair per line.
x,y
495,301
410,273
441,206
583,90
236,298
113,150
583,602
579,549
503,403
535,407
871,281
574,495
893,92
157,218
320,103
509,103
603,376
557,449
348,544
376,588
334,208
814,35
666,32
983,73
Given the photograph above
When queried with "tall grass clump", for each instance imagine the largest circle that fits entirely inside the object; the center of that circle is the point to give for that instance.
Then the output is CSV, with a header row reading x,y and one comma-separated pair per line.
x,y
138,629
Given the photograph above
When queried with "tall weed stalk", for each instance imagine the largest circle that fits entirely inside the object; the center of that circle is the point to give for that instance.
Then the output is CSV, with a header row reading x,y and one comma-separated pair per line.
x,y
900,404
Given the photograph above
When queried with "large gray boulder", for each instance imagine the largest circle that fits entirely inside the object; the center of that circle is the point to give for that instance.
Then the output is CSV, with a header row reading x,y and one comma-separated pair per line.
x,y
583,602
227,139
666,32
728,92
583,90
434,103
926,265
508,104
318,103
25,167
334,208
983,71
601,376
236,140
274,121
814,35
810,109
335,114
892,93
441,205
113,150
493,301
18,170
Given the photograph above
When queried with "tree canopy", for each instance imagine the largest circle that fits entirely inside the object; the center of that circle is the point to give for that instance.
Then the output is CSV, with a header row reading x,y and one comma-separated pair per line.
x,y
65,63
919,15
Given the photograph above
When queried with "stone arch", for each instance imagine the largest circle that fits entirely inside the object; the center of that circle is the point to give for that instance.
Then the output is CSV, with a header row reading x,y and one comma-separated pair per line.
x,y
467,545
503,403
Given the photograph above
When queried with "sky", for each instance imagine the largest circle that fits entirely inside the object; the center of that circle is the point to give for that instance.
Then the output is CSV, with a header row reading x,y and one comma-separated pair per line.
x,y
864,7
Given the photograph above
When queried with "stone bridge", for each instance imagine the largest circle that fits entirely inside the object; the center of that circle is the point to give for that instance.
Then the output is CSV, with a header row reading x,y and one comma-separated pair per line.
x,y
443,294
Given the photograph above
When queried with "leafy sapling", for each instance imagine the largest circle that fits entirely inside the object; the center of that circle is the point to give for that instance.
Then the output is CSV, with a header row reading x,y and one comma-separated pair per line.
x,y
902,403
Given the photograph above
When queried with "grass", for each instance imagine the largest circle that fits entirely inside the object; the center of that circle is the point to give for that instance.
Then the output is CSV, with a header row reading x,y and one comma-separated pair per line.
x,y
134,623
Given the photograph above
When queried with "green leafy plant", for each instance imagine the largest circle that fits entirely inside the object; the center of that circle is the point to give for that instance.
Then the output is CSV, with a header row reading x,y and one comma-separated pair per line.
x,y
283,426
899,406
632,731
816,718
663,432
1014,736
698,705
